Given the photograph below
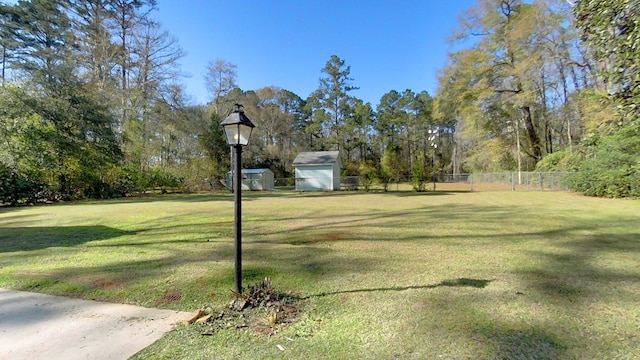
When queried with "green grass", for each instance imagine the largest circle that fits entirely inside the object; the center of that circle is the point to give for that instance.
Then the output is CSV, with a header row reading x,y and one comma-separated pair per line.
x,y
451,275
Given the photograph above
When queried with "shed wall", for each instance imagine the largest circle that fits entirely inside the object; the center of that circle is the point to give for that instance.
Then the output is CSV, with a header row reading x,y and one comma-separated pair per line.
x,y
254,181
336,174
313,178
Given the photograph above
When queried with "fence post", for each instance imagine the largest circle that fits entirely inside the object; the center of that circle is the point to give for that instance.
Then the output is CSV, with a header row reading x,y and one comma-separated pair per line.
x,y
513,181
540,179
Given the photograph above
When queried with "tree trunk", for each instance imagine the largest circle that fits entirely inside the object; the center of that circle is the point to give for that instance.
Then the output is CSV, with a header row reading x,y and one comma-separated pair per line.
x,y
532,134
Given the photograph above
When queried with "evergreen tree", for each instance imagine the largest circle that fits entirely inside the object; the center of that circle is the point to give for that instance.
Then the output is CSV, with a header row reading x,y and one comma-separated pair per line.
x,y
332,102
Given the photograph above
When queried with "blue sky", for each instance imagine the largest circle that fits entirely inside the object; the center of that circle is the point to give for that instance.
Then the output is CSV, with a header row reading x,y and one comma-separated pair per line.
x,y
390,45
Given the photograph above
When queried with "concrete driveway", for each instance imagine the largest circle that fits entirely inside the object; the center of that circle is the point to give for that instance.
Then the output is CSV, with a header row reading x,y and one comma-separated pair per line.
x,y
38,326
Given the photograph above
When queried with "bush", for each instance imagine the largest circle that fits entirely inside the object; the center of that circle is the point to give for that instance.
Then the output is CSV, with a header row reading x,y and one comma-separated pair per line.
x,y
161,178
384,178
610,183
419,176
16,188
560,161
122,181
368,174
612,169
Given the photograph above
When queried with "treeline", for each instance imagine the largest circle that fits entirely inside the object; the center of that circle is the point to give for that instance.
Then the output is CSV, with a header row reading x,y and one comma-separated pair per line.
x,y
92,104
549,85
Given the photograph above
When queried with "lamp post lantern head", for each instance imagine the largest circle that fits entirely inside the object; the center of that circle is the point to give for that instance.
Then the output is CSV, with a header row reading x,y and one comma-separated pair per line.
x,y
237,127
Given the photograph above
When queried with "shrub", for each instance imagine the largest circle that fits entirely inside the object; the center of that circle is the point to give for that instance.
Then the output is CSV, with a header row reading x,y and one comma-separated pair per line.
x,y
419,176
368,174
612,169
560,161
161,178
16,188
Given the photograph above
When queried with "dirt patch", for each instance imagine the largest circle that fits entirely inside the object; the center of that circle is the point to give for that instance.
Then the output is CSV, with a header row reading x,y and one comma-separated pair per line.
x,y
333,237
172,296
104,284
261,309
98,280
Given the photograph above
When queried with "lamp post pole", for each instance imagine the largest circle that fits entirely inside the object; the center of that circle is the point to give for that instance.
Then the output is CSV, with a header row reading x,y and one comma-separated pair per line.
x,y
237,192
237,129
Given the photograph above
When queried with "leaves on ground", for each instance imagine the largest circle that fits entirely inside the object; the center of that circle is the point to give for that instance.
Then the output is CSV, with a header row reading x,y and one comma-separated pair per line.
x,y
261,308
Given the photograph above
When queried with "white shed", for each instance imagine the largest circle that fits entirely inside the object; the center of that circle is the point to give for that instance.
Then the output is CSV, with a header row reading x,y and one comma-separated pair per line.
x,y
253,179
317,170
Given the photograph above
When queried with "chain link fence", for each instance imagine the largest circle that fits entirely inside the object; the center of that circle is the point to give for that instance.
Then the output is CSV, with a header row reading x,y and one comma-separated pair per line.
x,y
515,181
522,181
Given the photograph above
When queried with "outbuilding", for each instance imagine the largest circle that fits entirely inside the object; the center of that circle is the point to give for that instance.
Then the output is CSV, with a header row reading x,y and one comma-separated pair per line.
x,y
317,171
254,179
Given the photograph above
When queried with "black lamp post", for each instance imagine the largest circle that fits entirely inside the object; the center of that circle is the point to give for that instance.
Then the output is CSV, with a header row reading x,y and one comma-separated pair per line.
x,y
238,128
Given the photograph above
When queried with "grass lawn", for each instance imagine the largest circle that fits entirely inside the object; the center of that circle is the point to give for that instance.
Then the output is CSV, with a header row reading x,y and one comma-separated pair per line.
x,y
444,275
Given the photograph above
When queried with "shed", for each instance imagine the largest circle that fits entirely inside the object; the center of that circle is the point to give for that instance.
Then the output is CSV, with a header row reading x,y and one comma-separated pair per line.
x,y
253,179
317,170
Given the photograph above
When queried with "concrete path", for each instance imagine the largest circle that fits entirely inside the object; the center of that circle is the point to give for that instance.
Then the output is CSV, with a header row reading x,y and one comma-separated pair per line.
x,y
38,326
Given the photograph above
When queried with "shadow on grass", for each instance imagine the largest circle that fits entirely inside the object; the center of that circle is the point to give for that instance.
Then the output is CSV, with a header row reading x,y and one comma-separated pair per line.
x,y
527,343
229,197
35,238
151,198
460,282
328,227
16,219
345,193
574,274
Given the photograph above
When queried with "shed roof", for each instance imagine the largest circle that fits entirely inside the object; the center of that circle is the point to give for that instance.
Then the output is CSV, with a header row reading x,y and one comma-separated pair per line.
x,y
316,158
254,171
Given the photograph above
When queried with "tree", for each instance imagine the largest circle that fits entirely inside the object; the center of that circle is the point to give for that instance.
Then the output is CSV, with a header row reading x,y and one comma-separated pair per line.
x,y
157,55
390,118
419,174
127,16
362,127
332,102
277,112
612,31
213,142
313,123
43,38
426,131
220,79
68,136
609,164
8,26
403,120
392,166
293,137
518,74
125,19
14,121
98,54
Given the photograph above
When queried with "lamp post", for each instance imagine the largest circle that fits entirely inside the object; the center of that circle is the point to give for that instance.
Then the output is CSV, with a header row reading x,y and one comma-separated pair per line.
x,y
238,128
